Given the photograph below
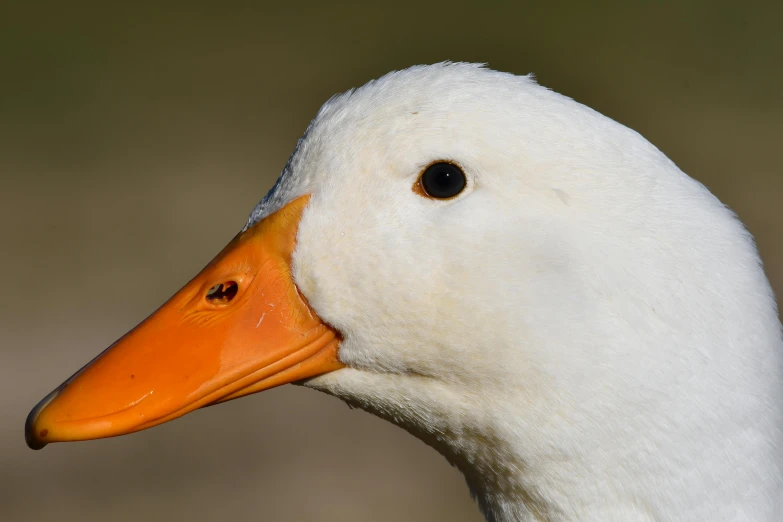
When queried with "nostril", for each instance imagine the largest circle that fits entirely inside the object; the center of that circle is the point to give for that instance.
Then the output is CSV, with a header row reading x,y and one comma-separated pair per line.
x,y
222,293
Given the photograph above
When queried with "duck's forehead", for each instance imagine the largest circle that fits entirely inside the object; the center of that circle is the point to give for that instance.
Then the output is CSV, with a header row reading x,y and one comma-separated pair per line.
x,y
425,112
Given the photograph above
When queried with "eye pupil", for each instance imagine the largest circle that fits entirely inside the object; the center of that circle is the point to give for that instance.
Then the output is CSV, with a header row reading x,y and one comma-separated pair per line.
x,y
443,180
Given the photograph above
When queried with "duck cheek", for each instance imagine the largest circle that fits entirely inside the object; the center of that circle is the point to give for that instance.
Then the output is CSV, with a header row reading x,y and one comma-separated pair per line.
x,y
239,327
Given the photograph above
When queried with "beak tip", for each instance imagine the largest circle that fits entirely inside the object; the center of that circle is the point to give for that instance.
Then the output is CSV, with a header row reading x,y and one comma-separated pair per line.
x,y
31,437
34,437
33,443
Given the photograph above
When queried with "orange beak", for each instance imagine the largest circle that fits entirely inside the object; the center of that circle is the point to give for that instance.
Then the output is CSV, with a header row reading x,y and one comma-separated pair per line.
x,y
239,327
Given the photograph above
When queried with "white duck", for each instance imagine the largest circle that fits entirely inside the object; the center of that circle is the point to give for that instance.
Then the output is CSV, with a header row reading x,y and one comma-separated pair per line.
x,y
528,286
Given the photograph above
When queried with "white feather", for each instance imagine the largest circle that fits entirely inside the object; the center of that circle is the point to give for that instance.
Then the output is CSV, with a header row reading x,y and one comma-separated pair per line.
x,y
586,332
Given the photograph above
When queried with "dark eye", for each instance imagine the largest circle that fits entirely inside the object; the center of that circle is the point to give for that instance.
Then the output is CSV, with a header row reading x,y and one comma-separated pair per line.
x,y
442,180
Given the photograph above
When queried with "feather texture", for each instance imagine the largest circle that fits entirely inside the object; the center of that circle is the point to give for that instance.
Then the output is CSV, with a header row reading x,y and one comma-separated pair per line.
x,y
586,332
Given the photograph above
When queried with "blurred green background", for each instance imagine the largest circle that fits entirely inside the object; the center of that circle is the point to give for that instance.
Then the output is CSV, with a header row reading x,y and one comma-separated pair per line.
x,y
135,139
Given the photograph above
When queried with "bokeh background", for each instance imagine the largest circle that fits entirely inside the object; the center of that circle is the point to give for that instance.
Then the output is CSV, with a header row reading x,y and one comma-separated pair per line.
x,y
135,139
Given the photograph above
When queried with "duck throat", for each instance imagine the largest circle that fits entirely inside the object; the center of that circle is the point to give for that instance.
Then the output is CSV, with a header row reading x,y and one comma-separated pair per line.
x,y
472,438
526,462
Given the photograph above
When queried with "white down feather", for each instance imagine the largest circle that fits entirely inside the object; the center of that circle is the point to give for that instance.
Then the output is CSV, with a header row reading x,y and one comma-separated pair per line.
x,y
585,332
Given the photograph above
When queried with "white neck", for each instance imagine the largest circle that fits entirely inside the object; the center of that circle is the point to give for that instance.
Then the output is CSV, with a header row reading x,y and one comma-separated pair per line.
x,y
524,462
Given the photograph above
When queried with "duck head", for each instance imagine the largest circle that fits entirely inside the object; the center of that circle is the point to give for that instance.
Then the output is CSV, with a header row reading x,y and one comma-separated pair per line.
x,y
528,286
